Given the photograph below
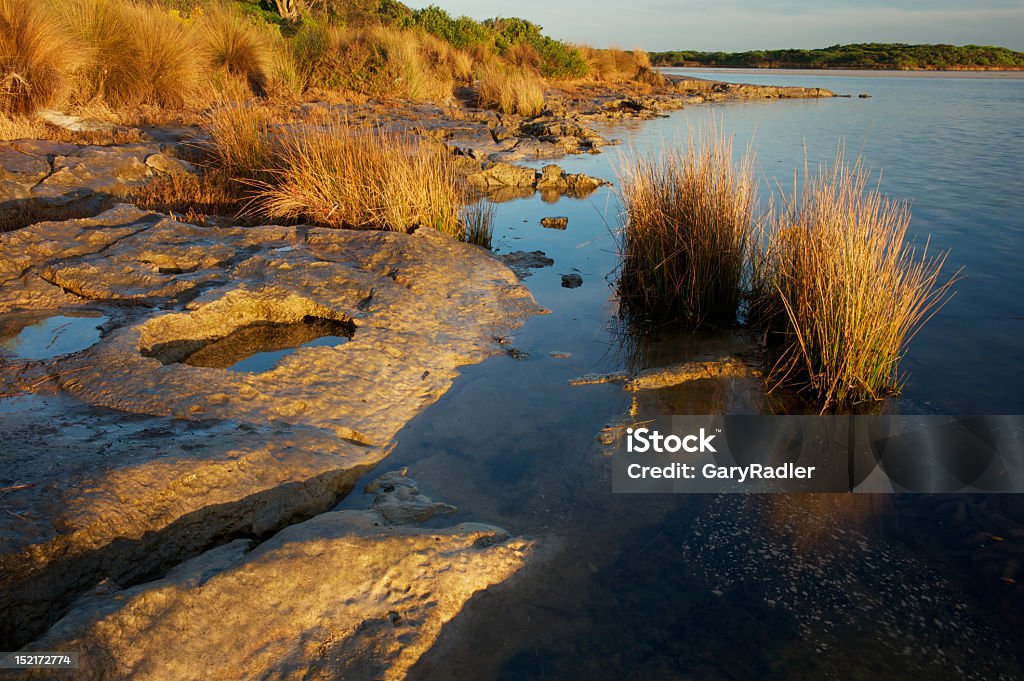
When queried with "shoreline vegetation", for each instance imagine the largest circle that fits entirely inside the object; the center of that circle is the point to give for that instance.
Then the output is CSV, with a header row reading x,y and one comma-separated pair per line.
x,y
247,82
243,73
825,273
283,102
869,56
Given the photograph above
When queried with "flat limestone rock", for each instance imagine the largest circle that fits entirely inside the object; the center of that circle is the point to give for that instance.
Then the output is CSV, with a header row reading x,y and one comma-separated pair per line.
x,y
155,460
341,596
55,174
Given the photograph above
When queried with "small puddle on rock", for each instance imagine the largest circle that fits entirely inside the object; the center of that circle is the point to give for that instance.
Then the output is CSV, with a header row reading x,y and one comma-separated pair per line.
x,y
53,336
258,347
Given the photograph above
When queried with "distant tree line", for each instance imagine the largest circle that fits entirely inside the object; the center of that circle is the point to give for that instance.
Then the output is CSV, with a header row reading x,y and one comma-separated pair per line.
x,y
860,56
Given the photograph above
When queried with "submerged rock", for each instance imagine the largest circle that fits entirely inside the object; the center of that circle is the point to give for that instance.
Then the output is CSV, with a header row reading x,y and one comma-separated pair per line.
x,y
522,262
572,281
154,460
399,500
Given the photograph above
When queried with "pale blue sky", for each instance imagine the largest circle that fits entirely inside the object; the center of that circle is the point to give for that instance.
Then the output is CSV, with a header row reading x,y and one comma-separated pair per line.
x,y
736,25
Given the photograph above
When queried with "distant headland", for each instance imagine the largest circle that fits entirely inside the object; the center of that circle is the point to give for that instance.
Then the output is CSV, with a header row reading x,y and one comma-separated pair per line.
x,y
860,56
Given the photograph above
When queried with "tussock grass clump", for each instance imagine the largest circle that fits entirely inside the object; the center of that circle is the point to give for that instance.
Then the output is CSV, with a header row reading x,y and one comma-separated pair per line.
x,y
441,57
233,43
36,57
240,138
134,53
616,65
687,226
523,56
340,176
510,90
111,70
849,291
378,61
169,55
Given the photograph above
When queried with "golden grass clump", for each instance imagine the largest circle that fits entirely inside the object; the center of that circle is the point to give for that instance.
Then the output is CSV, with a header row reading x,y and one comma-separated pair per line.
x,y
111,70
442,57
134,53
240,138
510,90
36,57
613,64
378,61
849,291
189,197
522,55
233,43
398,69
340,176
170,56
687,224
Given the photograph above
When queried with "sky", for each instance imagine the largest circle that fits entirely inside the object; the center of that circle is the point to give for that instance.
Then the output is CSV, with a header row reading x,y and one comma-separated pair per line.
x,y
739,25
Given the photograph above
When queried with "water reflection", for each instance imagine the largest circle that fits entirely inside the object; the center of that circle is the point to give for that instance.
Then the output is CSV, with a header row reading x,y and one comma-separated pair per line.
x,y
734,586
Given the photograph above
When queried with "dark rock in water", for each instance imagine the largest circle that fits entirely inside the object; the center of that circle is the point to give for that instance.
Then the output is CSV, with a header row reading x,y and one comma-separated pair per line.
x,y
864,95
521,262
517,354
572,281
556,222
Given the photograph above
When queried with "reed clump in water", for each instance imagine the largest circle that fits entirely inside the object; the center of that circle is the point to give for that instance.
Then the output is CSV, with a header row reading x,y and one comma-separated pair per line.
x,y
687,225
844,287
828,274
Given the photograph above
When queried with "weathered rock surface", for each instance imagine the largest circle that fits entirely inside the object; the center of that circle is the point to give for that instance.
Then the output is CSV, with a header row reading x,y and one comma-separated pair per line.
x,y
346,595
49,174
398,500
501,176
504,175
154,460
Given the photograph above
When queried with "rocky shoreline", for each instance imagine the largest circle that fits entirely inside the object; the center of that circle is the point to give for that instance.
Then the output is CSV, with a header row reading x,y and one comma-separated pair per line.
x,y
141,489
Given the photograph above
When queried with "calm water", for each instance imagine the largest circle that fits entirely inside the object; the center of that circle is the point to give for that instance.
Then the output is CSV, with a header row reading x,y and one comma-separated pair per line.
x,y
744,587
953,146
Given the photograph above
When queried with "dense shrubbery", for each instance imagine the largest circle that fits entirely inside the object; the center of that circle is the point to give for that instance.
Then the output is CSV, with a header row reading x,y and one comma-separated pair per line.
x,y
557,59
863,56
